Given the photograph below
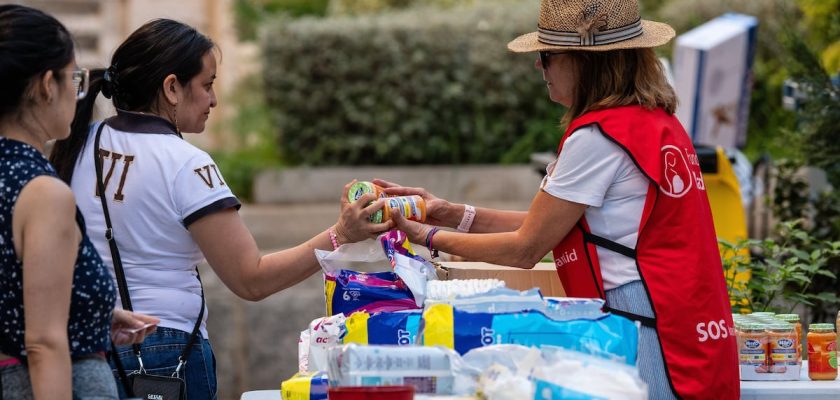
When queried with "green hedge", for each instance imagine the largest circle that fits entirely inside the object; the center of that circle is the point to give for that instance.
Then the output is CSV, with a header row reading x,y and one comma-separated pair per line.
x,y
415,87
358,7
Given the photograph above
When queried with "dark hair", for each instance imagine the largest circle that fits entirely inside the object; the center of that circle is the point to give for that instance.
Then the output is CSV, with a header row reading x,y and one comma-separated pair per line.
x,y
31,43
133,81
619,78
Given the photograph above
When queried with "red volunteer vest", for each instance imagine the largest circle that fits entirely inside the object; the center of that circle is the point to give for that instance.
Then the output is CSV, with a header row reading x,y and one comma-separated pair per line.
x,y
676,253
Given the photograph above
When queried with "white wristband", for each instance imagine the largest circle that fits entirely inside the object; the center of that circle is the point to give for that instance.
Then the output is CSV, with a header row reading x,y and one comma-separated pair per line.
x,y
467,220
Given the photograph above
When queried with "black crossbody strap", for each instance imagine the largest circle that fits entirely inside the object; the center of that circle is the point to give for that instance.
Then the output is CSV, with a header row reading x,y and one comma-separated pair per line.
x,y
196,328
609,244
109,231
645,321
126,383
117,261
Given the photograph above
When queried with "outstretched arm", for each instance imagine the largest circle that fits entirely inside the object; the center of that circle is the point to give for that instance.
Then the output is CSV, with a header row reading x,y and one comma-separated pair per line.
x,y
232,252
547,222
440,212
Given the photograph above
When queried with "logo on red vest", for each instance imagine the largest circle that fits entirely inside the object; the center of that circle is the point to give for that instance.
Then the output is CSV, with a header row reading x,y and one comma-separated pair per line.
x,y
565,258
678,178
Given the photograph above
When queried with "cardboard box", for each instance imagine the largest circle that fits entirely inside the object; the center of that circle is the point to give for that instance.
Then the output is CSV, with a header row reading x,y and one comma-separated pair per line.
x,y
543,276
713,79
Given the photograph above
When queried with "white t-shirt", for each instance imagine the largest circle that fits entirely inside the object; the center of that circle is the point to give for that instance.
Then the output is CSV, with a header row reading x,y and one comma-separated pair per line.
x,y
156,185
593,170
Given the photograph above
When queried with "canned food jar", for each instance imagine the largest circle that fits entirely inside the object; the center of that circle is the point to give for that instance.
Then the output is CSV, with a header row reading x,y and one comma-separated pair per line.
x,y
411,207
782,345
822,352
794,320
752,346
362,188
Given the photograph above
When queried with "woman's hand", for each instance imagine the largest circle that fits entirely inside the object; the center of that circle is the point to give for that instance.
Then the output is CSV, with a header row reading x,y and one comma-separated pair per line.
x,y
129,328
416,232
354,222
439,212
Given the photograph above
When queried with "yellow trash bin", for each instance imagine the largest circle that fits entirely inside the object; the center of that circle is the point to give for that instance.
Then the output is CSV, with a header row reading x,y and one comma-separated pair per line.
x,y
725,200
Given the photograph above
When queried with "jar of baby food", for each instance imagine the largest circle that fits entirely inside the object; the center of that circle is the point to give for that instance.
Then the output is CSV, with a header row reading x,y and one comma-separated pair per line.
x,y
793,319
361,188
411,207
782,344
752,346
822,352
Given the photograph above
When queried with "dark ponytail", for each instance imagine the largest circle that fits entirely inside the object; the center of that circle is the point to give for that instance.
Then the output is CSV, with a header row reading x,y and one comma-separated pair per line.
x,y
133,80
73,144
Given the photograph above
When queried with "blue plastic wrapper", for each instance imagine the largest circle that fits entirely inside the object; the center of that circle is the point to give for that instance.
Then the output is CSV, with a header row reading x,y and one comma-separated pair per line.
x,y
305,386
350,291
386,328
396,242
610,336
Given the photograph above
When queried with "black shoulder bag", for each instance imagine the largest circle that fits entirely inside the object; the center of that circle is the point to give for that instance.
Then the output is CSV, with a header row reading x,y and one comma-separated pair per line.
x,y
140,384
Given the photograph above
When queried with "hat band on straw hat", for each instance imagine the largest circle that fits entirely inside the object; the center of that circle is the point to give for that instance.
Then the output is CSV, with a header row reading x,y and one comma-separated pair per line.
x,y
561,38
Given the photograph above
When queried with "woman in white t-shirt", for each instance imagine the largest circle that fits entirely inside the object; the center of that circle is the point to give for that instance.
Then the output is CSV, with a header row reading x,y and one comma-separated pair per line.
x,y
169,205
623,208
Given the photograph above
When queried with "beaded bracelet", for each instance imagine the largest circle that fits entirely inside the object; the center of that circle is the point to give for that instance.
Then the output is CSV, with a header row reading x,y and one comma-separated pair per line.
x,y
429,237
333,238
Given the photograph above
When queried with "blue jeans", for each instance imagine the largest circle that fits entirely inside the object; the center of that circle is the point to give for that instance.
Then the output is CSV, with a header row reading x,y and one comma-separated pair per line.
x,y
160,352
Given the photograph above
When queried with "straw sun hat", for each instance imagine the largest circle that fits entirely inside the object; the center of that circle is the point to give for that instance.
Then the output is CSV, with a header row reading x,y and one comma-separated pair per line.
x,y
592,25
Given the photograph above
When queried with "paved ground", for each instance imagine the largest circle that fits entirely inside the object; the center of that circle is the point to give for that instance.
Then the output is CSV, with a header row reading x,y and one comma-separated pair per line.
x,y
256,343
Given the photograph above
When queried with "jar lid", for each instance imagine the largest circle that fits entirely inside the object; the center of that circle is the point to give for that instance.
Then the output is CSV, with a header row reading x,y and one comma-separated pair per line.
x,y
821,327
763,314
753,327
788,317
783,327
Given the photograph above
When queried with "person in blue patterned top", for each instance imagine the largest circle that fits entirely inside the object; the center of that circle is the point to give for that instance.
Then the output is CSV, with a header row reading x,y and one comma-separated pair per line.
x,y
54,347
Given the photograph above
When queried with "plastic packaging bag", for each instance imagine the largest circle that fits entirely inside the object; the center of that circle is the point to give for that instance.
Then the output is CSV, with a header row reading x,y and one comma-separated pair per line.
x,y
609,336
496,301
568,374
350,291
347,291
567,308
513,372
449,291
305,386
322,334
303,351
397,328
429,369
500,372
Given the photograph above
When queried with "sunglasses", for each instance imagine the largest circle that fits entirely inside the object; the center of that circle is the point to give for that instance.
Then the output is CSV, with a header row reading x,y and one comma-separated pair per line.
x,y
81,82
545,56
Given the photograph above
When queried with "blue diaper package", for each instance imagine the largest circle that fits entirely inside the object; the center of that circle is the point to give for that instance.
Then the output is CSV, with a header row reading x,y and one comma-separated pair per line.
x,y
609,336
350,291
385,328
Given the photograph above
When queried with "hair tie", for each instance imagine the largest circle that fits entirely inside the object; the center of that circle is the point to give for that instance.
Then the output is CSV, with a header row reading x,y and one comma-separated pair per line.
x,y
109,89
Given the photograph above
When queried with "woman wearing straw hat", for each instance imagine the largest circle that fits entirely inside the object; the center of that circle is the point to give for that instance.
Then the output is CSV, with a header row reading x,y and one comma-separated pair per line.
x,y
623,207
